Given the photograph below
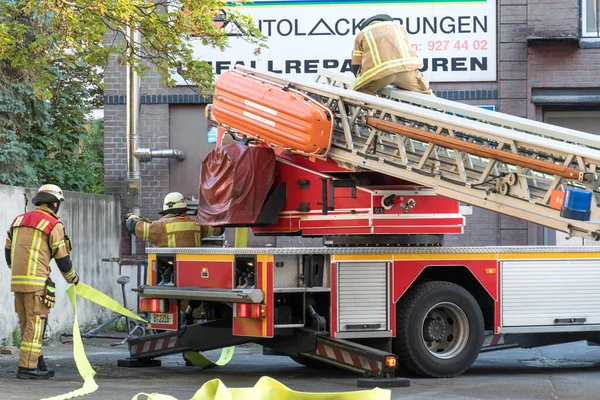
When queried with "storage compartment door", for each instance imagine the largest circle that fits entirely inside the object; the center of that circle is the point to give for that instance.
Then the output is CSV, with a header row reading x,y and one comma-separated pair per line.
x,y
363,299
550,293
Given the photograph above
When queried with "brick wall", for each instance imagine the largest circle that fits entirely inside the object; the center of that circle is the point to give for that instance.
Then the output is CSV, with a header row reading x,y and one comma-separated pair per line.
x,y
560,65
115,141
554,18
154,134
481,230
512,57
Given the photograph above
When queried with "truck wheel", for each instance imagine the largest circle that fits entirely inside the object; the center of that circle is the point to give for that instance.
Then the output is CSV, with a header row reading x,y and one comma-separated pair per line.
x,y
439,330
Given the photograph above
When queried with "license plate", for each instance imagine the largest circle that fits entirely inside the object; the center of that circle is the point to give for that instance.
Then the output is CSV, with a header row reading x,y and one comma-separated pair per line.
x,y
161,318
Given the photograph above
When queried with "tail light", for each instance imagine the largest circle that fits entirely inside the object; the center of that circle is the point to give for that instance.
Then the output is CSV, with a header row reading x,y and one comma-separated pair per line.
x,y
391,361
153,305
248,310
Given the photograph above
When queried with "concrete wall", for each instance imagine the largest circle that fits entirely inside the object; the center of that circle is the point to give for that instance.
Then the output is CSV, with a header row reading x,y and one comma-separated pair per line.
x,y
92,222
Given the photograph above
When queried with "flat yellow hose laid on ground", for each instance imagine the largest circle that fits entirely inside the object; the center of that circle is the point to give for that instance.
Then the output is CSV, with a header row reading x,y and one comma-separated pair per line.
x,y
268,389
83,365
199,360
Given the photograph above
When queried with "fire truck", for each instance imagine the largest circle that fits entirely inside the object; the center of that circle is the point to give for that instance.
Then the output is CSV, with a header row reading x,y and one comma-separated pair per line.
x,y
381,179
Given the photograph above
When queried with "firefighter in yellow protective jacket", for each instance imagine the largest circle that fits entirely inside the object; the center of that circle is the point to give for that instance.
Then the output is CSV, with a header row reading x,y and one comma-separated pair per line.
x,y
34,238
384,56
174,229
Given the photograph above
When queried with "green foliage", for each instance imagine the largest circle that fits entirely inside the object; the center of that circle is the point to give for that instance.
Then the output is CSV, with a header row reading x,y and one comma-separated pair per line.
x,y
50,141
22,119
52,53
16,337
36,35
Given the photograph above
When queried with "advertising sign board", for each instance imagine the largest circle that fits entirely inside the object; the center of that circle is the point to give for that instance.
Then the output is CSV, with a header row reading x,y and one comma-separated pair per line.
x,y
456,39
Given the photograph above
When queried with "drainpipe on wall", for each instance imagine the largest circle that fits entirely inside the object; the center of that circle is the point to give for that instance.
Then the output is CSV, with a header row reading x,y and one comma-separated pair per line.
x,y
133,182
135,155
145,155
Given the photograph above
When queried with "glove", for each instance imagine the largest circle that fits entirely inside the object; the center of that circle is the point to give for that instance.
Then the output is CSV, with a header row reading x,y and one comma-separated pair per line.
x,y
133,217
50,295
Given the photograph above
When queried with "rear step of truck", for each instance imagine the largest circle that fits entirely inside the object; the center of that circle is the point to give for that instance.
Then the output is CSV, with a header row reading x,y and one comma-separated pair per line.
x,y
203,336
379,367
143,350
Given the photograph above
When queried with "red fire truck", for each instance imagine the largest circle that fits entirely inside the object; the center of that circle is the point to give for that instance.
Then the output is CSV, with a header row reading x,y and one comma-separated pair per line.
x,y
380,179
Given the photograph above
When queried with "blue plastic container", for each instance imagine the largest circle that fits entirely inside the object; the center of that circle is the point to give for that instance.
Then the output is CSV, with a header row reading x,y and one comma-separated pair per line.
x,y
577,204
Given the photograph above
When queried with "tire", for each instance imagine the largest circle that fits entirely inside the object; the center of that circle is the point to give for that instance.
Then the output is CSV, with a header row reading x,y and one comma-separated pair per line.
x,y
439,330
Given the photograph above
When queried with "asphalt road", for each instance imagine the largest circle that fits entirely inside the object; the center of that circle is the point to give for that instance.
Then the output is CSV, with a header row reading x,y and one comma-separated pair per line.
x,y
569,371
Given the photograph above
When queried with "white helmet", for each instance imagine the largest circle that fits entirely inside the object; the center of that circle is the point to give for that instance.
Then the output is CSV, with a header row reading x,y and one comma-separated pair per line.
x,y
174,203
48,194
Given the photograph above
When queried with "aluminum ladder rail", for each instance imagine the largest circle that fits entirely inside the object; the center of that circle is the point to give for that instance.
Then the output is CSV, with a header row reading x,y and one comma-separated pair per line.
x,y
517,190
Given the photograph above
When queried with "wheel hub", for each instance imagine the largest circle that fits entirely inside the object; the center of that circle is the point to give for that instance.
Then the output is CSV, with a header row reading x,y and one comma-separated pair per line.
x,y
434,329
445,330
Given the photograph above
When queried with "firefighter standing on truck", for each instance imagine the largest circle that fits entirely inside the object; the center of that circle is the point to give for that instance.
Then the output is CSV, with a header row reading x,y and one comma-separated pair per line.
x,y
384,56
174,229
34,238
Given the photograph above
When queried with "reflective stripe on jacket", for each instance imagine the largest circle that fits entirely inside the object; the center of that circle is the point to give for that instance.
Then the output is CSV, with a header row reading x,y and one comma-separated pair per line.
x,y
174,231
383,49
34,238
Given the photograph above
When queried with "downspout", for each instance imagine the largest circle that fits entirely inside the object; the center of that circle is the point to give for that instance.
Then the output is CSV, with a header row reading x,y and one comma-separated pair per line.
x,y
135,155
133,182
145,155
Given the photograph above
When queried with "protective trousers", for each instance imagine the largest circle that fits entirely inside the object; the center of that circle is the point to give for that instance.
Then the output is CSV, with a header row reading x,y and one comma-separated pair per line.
x,y
412,80
32,313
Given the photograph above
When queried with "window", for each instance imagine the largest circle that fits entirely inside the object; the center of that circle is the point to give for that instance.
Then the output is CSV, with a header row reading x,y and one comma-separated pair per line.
x,y
590,11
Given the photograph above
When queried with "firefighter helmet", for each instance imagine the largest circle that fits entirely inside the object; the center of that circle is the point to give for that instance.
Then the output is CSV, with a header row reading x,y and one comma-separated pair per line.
x,y
48,194
174,203
378,17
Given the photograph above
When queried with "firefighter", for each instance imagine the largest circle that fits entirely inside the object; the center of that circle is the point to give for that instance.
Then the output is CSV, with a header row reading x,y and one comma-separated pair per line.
x,y
174,229
384,56
34,238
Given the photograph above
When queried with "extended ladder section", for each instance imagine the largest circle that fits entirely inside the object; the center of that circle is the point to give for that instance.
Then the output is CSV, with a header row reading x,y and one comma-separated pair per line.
x,y
487,159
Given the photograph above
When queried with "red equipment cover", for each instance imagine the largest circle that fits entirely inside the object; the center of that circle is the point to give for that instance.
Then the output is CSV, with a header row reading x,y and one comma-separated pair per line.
x,y
272,113
234,183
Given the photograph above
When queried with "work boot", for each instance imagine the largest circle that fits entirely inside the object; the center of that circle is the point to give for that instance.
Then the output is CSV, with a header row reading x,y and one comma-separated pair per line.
x,y
32,373
42,367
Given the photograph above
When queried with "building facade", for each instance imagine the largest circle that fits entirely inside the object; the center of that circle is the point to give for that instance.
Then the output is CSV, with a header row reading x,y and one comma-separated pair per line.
x,y
547,68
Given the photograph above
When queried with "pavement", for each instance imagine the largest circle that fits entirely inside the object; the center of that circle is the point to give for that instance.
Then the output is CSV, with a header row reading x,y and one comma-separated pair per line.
x,y
568,371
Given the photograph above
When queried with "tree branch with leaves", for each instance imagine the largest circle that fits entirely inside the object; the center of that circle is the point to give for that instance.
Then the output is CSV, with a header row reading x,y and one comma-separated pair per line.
x,y
35,35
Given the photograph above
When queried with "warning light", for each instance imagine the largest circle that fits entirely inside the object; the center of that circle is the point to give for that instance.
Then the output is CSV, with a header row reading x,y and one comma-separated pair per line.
x,y
391,361
247,310
490,271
